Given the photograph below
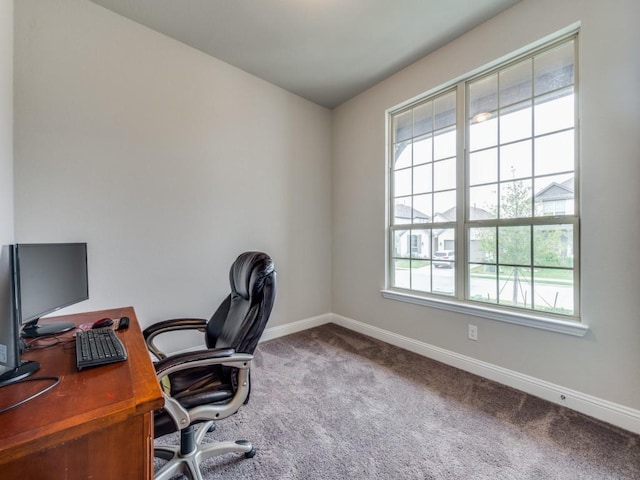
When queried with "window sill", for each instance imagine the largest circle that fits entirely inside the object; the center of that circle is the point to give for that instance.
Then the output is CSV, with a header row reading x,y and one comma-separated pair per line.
x,y
534,321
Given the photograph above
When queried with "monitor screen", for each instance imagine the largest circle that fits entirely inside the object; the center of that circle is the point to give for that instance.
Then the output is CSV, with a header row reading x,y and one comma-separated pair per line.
x,y
49,276
9,354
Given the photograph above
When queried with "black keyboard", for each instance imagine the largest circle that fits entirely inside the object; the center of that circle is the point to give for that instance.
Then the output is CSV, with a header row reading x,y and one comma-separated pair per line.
x,y
99,346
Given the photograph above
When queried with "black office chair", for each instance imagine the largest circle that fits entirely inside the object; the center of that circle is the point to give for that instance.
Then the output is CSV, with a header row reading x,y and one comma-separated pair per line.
x,y
211,384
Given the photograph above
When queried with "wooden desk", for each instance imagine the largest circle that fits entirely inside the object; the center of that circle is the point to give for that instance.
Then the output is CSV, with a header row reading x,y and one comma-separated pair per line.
x,y
95,424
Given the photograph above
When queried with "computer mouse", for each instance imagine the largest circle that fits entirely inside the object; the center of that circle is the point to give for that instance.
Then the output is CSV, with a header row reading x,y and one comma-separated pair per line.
x,y
123,323
103,322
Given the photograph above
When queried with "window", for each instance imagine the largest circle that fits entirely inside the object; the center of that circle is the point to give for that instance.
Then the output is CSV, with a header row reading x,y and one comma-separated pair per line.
x,y
482,189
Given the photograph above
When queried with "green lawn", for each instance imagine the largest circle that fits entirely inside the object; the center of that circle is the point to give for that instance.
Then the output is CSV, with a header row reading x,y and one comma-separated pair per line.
x,y
553,275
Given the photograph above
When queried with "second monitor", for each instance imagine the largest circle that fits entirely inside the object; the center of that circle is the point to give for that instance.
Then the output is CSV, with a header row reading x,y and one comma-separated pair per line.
x,y
46,278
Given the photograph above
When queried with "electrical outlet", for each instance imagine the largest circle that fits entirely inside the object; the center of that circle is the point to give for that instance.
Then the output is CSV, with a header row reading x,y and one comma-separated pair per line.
x,y
473,332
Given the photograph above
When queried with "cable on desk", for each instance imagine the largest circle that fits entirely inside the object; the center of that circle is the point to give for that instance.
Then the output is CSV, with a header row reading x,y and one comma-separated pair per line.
x,y
55,380
35,344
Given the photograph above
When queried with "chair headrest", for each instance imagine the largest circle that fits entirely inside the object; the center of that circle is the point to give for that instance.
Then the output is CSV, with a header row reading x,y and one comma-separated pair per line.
x,y
248,273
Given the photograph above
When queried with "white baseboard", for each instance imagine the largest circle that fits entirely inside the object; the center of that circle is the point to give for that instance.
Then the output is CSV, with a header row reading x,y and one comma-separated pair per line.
x,y
615,414
281,330
275,332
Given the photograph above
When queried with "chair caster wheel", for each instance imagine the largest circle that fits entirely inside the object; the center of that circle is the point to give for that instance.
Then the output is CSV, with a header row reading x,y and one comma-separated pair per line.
x,y
250,453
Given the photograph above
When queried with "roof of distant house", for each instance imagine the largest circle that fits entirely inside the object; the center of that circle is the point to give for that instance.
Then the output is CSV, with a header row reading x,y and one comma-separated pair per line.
x,y
405,211
557,191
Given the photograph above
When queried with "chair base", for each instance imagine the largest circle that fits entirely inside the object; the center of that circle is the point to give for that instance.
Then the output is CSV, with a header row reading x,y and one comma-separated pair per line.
x,y
188,463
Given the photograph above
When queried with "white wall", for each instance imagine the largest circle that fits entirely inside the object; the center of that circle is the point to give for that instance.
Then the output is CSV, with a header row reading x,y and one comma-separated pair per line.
x,y
6,121
168,162
605,362
6,177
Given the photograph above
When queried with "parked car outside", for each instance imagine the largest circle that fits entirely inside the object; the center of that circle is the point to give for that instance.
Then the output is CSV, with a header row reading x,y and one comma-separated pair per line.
x,y
444,258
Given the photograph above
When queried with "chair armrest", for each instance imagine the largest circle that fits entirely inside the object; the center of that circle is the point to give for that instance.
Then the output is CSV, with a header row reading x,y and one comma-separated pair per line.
x,y
166,326
184,361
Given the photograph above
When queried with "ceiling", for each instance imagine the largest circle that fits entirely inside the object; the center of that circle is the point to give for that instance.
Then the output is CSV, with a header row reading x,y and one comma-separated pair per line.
x,y
326,51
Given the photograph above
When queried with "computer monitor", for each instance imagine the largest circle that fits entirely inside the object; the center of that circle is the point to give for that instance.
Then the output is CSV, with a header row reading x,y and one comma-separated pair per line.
x,y
12,369
48,277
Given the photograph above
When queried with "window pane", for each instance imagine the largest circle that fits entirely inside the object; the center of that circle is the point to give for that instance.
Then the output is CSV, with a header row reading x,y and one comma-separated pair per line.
x,y
554,153
515,122
402,183
443,261
483,202
483,167
553,246
514,245
483,134
419,243
444,281
422,208
515,83
445,111
483,245
483,96
515,160
401,243
444,240
402,155
417,272
514,286
554,69
554,112
423,119
444,206
421,275
401,210
402,126
515,199
554,291
422,150
444,173
401,277
422,178
444,144
483,285
554,195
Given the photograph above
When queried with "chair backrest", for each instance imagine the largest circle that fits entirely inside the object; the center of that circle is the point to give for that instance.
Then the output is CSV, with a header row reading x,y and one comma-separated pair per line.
x,y
240,320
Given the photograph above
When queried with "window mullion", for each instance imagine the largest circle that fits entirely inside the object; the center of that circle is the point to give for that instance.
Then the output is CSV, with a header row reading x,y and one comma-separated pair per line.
x,y
461,180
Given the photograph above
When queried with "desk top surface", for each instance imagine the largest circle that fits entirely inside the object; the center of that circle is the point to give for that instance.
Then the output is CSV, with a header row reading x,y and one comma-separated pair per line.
x,y
83,401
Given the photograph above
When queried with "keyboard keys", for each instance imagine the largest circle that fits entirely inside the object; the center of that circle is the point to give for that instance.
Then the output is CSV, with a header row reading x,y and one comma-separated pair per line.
x,y
98,346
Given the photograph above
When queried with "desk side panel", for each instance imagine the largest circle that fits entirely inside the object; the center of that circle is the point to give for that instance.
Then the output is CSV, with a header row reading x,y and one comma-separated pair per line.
x,y
120,450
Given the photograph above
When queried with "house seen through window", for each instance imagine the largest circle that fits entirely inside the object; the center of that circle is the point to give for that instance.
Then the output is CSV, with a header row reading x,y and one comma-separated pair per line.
x,y
483,205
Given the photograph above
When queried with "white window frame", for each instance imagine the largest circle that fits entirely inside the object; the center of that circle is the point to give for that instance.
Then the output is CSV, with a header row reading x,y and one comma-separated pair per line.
x,y
460,301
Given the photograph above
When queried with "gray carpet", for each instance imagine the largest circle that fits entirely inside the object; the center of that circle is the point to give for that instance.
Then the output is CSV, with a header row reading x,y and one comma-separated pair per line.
x,y
328,403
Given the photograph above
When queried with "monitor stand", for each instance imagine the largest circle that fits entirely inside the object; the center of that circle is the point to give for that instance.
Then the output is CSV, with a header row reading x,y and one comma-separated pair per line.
x,y
16,374
34,330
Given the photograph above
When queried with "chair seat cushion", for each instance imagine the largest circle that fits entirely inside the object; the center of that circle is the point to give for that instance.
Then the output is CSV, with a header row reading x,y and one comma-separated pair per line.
x,y
192,388
163,423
